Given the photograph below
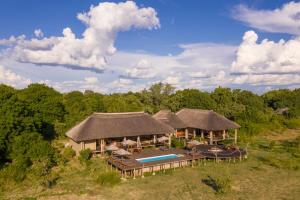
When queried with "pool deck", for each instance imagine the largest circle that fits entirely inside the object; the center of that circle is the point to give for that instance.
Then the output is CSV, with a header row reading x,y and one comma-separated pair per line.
x,y
129,166
130,162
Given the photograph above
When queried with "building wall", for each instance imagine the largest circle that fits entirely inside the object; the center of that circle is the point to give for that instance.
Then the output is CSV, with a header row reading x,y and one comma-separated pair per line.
x,y
78,146
90,145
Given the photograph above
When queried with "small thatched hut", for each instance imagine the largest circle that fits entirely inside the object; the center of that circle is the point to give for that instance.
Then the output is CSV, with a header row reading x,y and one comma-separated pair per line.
x,y
207,123
169,118
101,129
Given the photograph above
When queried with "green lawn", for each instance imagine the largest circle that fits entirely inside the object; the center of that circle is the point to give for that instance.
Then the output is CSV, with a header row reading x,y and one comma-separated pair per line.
x,y
272,171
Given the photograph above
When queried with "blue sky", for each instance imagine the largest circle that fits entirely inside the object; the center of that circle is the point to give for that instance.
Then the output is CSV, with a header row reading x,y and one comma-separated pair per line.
x,y
192,43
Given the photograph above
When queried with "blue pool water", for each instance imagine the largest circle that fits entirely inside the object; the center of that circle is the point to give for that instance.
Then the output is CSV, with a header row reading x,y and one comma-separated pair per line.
x,y
157,158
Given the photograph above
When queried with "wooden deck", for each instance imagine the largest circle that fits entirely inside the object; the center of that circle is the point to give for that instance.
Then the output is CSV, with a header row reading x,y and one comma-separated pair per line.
x,y
130,166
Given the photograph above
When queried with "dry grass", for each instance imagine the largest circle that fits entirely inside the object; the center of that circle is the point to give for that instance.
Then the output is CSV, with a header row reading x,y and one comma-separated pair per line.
x,y
250,179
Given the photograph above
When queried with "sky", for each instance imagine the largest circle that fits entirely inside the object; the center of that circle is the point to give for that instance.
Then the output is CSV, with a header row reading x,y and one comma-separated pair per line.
x,y
120,46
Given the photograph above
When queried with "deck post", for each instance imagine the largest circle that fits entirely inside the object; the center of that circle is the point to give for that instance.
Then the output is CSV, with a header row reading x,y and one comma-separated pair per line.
x,y
186,134
154,139
133,173
224,134
143,171
235,136
211,137
101,146
194,133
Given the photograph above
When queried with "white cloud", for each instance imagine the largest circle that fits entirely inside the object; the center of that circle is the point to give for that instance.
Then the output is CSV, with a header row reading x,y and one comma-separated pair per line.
x,y
10,78
266,63
142,70
103,23
173,80
268,56
38,33
281,20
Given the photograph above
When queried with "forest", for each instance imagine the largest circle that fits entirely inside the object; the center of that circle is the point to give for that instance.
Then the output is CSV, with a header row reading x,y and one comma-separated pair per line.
x,y
34,117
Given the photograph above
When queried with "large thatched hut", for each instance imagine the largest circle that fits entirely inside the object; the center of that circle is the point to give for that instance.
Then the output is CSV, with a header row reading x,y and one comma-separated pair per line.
x,y
171,119
208,124
102,129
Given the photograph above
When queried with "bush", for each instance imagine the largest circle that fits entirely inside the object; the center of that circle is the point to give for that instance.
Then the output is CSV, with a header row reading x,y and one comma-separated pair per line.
x,y
15,171
292,123
50,180
68,153
84,156
177,143
220,185
108,179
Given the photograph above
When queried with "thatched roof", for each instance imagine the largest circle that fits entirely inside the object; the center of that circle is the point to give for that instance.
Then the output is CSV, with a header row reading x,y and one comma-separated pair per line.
x,y
168,117
205,120
113,125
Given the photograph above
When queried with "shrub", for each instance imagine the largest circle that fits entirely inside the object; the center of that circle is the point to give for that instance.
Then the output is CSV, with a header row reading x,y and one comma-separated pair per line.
x,y
177,143
220,185
50,180
15,171
84,156
108,179
292,123
68,153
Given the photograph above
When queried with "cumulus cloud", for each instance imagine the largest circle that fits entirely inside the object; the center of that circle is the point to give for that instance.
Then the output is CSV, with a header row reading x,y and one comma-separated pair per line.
x,y
142,70
10,78
103,23
267,62
267,56
38,33
281,20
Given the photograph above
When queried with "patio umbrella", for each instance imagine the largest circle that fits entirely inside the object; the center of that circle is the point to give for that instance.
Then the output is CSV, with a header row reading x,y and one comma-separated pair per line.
x,y
111,147
194,142
129,142
122,152
162,139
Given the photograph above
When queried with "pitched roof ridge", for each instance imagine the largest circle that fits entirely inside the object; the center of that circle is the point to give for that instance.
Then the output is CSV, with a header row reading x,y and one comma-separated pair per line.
x,y
118,113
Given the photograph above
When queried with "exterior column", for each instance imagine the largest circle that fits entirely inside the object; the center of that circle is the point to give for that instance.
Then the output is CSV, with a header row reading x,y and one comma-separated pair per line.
x,y
211,137
175,133
224,134
81,145
202,134
138,142
194,133
154,139
186,134
235,136
101,145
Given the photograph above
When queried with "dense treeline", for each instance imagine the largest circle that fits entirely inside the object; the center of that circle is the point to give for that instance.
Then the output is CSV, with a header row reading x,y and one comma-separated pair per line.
x,y
32,117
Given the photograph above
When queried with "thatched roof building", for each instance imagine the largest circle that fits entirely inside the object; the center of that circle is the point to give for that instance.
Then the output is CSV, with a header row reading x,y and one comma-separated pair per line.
x,y
115,125
205,120
168,117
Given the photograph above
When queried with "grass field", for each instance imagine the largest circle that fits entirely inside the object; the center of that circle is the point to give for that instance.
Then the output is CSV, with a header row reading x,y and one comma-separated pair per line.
x,y
272,171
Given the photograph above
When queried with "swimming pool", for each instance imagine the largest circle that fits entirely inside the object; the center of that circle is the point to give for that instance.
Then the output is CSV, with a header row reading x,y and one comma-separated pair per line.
x,y
157,158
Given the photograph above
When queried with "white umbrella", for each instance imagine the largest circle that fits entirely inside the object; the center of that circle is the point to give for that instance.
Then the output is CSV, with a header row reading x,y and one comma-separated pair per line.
x,y
122,152
128,142
162,139
194,142
111,147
